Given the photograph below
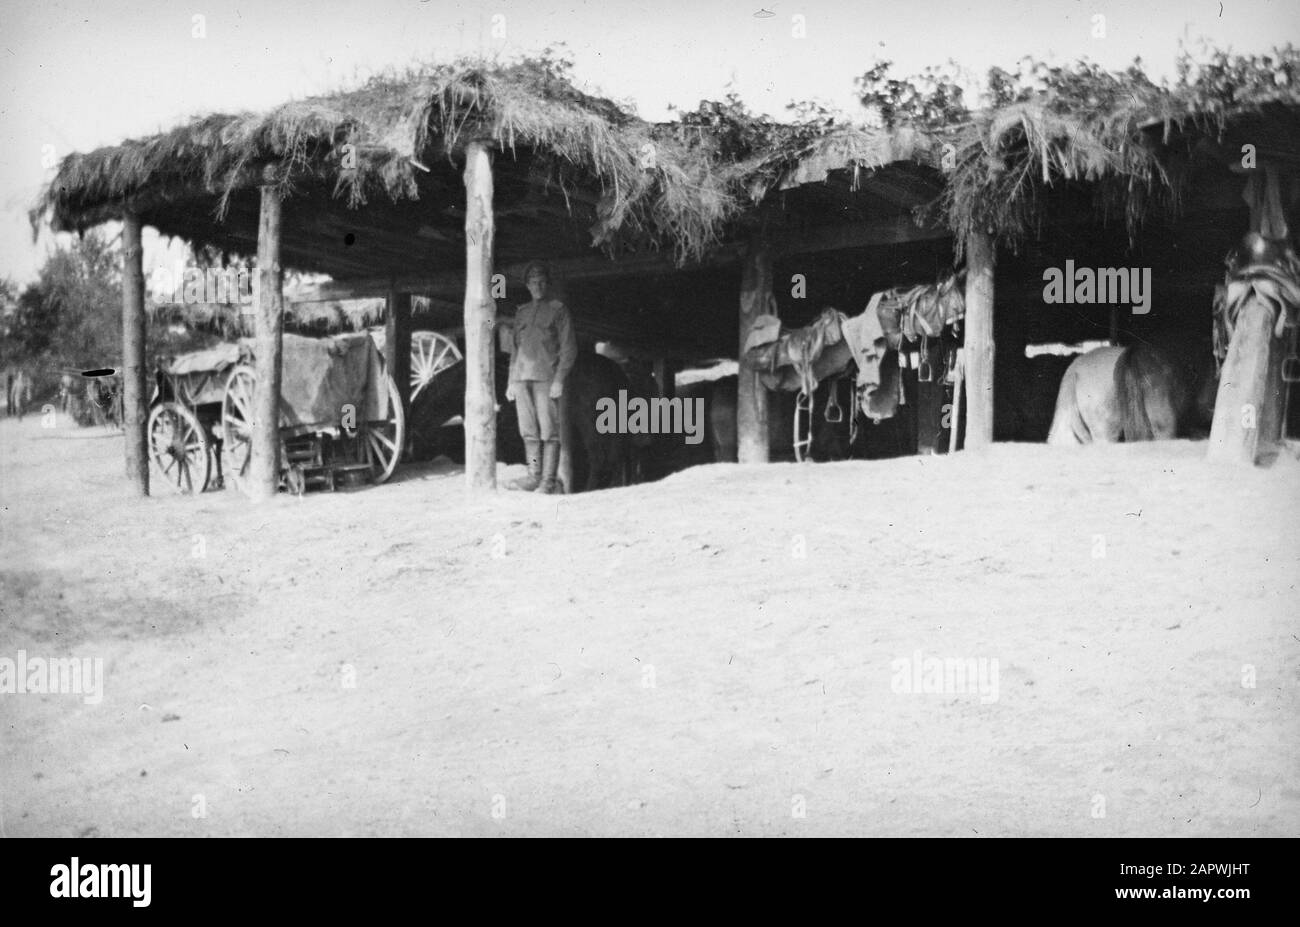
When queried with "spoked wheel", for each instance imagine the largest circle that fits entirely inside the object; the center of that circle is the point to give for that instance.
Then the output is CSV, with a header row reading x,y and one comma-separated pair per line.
x,y
382,440
431,353
237,424
179,447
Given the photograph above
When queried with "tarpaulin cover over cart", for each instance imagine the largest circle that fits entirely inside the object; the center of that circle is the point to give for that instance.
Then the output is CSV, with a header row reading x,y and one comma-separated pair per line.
x,y
324,377
199,377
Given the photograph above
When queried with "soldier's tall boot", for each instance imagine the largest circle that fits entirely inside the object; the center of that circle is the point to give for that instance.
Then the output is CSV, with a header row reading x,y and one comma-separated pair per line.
x,y
550,467
533,454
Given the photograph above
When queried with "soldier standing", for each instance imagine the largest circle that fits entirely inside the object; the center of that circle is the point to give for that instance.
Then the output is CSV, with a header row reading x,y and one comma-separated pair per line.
x,y
545,349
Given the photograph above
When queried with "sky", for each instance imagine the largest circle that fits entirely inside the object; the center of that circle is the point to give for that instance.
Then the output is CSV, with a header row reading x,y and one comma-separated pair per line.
x,y
78,75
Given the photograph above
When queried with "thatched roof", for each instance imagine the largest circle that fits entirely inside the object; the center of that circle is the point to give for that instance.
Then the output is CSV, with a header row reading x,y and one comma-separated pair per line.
x,y
1127,147
811,158
575,170
393,140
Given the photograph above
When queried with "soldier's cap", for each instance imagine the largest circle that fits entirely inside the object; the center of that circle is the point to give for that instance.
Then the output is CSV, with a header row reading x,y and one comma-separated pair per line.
x,y
535,267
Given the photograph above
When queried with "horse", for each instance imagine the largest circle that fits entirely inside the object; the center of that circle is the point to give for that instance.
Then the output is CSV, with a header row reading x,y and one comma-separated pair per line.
x,y
599,460
720,398
1134,393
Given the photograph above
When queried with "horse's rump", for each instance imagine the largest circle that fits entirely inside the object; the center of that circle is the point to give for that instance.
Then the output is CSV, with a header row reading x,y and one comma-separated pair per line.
x,y
1151,394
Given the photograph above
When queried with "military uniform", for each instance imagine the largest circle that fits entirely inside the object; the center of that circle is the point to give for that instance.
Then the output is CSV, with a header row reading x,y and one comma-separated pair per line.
x,y
544,351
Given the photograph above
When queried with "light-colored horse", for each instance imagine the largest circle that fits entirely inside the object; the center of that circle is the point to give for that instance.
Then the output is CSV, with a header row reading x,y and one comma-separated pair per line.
x,y
1135,393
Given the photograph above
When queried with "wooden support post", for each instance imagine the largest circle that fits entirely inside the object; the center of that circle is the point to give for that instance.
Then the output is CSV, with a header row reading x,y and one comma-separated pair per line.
x,y
756,298
1272,413
979,353
134,398
397,343
268,339
1241,410
480,321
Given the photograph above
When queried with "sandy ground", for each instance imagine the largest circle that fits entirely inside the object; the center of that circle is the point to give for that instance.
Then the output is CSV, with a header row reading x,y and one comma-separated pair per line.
x,y
660,660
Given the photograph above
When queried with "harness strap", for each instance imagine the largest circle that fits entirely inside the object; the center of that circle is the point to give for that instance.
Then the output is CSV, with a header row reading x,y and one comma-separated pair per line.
x,y
803,408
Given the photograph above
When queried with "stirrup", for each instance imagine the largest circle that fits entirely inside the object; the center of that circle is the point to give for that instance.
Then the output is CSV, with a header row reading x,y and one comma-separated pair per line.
x,y
833,413
924,369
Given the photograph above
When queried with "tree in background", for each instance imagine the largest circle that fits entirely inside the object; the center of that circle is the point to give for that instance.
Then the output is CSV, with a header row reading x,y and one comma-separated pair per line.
x,y
69,319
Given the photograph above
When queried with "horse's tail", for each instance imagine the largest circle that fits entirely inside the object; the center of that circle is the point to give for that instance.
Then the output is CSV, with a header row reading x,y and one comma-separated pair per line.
x,y
1150,394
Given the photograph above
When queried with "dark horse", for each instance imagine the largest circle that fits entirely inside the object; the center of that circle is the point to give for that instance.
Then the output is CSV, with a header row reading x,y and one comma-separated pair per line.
x,y
599,460
720,397
1137,393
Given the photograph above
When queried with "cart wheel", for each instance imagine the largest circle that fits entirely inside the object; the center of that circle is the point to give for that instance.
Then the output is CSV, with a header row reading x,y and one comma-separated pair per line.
x,y
237,424
178,447
431,353
383,440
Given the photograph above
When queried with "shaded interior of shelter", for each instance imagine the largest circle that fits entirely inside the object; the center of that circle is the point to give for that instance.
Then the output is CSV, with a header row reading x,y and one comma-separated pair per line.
x,y
539,211
689,313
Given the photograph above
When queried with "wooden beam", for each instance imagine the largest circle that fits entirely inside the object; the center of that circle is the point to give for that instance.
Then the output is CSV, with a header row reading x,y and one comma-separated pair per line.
x,y
268,333
756,298
596,267
980,350
134,398
480,322
896,231
1246,389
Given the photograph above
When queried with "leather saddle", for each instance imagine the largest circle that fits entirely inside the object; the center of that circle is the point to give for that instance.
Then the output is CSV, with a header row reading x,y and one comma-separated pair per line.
x,y
788,360
1263,269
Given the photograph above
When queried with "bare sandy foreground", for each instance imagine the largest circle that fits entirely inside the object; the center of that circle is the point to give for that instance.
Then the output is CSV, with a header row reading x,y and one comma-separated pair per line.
x,y
660,660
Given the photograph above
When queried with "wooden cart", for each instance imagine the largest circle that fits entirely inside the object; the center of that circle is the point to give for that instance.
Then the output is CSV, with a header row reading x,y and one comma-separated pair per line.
x,y
341,418
184,425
